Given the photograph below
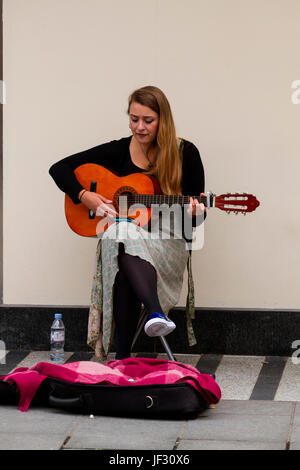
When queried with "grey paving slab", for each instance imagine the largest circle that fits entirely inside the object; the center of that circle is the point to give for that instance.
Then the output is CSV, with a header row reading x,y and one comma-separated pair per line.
x,y
206,444
125,433
237,375
261,407
36,422
30,441
248,424
289,386
295,428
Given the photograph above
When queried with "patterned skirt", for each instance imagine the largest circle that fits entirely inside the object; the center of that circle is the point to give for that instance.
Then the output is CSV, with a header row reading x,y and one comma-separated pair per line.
x,y
169,258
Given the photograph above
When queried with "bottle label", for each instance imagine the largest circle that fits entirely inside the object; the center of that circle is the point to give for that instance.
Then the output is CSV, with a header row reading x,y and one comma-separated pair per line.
x,y
57,336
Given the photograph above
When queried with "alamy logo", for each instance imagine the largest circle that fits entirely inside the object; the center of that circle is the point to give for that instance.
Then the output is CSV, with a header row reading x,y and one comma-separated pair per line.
x,y
167,221
295,358
296,94
2,92
2,352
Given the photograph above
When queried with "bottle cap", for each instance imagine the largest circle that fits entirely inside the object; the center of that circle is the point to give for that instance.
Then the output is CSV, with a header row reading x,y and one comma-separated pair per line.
x,y
58,315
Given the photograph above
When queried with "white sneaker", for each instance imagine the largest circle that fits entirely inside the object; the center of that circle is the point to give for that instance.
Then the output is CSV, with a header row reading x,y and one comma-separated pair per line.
x,y
159,325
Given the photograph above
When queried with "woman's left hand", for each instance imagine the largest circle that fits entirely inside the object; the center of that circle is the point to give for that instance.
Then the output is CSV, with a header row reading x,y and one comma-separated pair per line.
x,y
196,207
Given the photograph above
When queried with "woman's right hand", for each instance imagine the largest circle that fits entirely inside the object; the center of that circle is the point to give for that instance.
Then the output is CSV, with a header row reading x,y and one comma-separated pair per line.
x,y
97,203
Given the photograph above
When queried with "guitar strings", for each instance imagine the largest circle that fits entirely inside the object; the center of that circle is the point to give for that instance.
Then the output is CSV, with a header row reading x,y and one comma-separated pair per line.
x,y
149,199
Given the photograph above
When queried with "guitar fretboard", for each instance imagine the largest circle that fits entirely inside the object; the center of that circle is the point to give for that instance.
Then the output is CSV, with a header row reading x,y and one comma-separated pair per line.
x,y
149,199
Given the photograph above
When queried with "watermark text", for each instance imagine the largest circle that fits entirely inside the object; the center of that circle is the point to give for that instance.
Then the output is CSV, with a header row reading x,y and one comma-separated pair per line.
x,y
295,97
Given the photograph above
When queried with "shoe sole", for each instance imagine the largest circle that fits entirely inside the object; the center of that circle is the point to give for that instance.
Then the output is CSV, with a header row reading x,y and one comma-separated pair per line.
x,y
157,327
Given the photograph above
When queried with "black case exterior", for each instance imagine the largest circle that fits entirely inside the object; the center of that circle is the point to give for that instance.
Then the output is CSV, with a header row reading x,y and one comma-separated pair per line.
x,y
169,401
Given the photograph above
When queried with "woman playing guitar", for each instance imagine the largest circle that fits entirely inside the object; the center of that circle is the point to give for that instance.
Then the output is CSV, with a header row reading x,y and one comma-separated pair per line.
x,y
138,271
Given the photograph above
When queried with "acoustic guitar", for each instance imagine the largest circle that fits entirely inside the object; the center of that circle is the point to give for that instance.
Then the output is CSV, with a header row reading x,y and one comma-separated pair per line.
x,y
133,196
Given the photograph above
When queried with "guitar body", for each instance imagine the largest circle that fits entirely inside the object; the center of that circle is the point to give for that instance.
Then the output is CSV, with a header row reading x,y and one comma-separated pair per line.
x,y
111,186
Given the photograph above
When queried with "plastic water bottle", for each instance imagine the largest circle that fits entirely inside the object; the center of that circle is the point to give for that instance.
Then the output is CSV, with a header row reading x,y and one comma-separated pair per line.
x,y
57,340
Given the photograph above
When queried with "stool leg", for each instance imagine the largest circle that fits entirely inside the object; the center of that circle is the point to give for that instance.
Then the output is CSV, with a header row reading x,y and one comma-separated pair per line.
x,y
163,340
141,323
167,348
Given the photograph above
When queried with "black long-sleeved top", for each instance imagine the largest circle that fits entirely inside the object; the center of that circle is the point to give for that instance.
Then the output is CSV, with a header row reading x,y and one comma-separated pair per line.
x,y
115,155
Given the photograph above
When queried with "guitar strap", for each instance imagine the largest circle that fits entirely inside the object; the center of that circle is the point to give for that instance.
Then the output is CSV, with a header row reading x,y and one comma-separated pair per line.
x,y
190,299
190,303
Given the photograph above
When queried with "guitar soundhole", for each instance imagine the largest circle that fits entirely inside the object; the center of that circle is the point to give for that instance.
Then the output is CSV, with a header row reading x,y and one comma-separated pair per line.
x,y
127,191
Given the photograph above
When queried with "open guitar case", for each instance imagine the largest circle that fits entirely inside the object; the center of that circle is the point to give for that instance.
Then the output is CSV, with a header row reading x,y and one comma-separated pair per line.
x,y
165,401
178,400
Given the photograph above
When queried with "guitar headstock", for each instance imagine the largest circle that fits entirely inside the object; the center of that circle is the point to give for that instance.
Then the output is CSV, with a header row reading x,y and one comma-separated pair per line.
x,y
236,202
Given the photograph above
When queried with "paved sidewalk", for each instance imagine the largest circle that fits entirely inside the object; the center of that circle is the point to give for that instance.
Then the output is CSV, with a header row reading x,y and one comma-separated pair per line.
x,y
232,425
243,420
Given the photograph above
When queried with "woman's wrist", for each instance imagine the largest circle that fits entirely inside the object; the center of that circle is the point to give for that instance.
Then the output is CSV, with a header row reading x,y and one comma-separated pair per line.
x,y
81,193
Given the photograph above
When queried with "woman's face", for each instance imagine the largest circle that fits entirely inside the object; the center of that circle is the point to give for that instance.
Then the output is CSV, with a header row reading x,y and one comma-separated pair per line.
x,y
143,122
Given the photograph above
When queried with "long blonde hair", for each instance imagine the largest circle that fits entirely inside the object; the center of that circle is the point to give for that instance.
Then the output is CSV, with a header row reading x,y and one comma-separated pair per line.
x,y
168,166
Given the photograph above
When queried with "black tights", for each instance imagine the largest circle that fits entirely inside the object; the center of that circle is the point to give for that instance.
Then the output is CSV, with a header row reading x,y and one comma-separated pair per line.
x,y
135,283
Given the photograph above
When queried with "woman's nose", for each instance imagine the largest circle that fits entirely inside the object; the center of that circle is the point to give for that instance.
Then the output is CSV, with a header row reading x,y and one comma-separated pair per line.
x,y
140,125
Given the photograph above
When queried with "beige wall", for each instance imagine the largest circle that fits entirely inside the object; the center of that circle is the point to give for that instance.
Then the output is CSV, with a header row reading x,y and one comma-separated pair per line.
x,y
227,68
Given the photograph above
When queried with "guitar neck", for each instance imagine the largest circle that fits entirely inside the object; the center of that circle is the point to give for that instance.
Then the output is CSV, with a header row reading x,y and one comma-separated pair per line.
x,y
149,199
